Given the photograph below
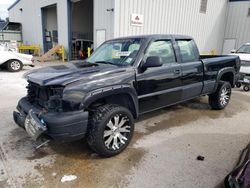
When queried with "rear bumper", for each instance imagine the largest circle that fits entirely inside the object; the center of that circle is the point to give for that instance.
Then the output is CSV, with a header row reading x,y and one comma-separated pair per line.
x,y
62,126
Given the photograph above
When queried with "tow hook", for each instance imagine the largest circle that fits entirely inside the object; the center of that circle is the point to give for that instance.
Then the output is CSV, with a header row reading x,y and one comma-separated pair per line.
x,y
42,144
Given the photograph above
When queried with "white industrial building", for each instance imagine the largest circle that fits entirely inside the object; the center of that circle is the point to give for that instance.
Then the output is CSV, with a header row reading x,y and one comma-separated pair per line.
x,y
211,22
237,30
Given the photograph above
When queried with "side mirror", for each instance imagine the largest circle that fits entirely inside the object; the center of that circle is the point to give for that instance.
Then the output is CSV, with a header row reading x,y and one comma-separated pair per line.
x,y
233,51
152,61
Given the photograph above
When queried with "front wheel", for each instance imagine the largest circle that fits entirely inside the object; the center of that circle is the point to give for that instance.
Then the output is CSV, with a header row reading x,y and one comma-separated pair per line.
x,y
111,129
14,66
220,99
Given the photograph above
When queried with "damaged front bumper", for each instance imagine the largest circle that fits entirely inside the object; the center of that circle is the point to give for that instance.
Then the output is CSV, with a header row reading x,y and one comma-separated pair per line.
x,y
59,126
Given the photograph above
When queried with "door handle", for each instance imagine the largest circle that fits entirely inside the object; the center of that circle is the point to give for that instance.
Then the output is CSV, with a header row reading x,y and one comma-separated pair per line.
x,y
177,71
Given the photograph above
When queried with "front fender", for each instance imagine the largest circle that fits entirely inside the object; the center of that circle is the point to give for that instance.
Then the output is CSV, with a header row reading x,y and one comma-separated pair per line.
x,y
108,91
7,56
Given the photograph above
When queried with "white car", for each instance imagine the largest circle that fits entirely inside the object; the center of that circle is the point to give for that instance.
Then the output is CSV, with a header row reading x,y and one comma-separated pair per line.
x,y
244,53
14,61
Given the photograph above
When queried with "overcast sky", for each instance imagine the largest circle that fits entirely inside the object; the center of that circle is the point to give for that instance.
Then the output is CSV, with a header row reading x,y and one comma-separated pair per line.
x,y
4,5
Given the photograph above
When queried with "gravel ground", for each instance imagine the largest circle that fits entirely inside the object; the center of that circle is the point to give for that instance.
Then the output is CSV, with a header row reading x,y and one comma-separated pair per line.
x,y
162,154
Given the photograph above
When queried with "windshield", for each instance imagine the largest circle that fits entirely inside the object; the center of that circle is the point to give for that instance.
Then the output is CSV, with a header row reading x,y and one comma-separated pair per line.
x,y
244,49
119,52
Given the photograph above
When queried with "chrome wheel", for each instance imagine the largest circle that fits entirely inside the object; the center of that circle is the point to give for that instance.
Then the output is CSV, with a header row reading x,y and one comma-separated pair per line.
x,y
15,65
225,96
117,132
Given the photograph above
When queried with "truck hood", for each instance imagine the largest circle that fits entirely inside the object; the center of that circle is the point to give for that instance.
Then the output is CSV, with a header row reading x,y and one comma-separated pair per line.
x,y
245,70
242,56
72,72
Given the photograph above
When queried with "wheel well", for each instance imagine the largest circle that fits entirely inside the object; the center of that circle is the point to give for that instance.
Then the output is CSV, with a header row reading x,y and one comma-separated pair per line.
x,y
5,63
228,77
124,100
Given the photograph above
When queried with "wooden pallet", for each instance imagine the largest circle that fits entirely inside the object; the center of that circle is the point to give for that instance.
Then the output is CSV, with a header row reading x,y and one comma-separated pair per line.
x,y
49,53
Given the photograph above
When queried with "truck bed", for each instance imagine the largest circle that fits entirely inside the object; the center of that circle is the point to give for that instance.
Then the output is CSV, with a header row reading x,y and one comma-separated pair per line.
x,y
220,61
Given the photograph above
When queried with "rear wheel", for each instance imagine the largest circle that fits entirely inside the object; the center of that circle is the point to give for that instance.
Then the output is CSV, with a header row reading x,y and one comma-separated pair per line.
x,y
221,97
110,130
246,88
14,65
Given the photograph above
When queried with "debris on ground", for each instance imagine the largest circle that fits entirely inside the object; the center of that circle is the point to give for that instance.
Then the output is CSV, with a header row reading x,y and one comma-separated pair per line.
x,y
68,178
200,158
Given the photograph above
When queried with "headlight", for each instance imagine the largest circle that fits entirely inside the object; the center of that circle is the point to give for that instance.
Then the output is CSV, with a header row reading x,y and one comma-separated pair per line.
x,y
72,100
55,102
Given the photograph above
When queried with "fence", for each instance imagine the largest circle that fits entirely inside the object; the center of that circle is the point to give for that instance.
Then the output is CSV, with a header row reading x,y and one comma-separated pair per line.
x,y
7,36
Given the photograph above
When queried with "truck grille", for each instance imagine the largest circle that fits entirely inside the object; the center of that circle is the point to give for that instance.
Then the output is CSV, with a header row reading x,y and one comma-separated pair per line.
x,y
40,95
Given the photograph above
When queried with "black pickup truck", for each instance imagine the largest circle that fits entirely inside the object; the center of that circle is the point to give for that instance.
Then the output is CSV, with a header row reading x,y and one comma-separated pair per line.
x,y
99,98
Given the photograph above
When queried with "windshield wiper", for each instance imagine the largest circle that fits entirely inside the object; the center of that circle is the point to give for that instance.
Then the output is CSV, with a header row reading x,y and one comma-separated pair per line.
x,y
105,62
243,52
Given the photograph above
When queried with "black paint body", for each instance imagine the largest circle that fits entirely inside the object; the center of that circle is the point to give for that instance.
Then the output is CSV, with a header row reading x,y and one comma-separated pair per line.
x,y
77,86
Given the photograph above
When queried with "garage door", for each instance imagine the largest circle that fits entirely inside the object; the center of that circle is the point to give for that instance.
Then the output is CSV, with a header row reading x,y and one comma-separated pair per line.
x,y
229,44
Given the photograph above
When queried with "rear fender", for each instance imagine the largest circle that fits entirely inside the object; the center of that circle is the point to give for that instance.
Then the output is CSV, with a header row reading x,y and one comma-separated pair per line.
x,y
223,72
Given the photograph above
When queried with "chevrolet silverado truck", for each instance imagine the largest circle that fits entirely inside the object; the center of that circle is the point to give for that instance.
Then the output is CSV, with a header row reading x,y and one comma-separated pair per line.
x,y
99,98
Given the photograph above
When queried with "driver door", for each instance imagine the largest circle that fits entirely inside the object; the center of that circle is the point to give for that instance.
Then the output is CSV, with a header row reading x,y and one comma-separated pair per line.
x,y
159,86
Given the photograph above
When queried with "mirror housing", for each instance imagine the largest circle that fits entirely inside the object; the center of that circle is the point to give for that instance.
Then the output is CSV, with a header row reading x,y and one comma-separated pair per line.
x,y
152,61
233,51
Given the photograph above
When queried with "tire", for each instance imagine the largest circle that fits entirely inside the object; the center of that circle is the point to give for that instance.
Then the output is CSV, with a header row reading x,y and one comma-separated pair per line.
x,y
246,88
238,84
102,121
220,99
14,66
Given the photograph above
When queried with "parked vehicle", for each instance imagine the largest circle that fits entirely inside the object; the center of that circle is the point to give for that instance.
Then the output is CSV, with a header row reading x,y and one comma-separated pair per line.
x,y
239,177
14,61
99,98
244,53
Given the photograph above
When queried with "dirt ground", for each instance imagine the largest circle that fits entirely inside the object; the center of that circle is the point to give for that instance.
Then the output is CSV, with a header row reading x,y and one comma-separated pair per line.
x,y
162,153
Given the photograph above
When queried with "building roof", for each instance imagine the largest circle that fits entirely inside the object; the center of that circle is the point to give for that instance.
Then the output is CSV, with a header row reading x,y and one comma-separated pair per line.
x,y
14,4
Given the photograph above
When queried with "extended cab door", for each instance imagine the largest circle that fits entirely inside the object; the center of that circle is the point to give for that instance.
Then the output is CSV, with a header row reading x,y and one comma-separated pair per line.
x,y
159,86
191,66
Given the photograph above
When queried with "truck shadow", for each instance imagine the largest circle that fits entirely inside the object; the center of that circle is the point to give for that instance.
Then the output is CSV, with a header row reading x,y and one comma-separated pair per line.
x,y
77,158
80,149
177,115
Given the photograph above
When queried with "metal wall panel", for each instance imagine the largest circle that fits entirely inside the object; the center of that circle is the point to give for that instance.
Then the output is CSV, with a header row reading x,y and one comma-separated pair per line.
x,y
175,17
238,22
31,19
113,16
103,18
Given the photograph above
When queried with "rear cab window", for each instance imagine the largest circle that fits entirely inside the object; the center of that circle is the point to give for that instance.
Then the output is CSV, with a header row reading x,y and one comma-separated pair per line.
x,y
188,52
162,49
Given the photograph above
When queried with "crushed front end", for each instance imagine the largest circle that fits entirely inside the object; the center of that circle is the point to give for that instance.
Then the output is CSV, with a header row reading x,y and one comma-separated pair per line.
x,y
44,113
